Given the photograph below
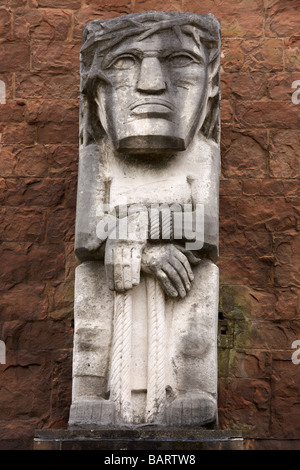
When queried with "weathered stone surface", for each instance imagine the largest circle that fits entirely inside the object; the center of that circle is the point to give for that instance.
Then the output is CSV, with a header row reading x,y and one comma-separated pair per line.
x,y
287,248
246,271
61,226
280,85
285,387
62,161
248,400
271,187
41,24
239,19
292,47
18,134
61,300
23,225
53,133
29,262
19,51
276,214
45,85
69,4
13,307
266,114
55,56
235,145
93,10
31,161
287,305
32,192
51,111
230,187
5,24
255,57
257,245
11,112
244,86
157,364
251,363
19,335
144,5
284,154
281,18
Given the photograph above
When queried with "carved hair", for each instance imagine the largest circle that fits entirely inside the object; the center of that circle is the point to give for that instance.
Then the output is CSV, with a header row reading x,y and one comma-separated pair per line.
x,y
101,35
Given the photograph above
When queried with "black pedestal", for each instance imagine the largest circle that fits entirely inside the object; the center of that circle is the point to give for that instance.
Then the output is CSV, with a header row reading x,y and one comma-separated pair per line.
x,y
147,438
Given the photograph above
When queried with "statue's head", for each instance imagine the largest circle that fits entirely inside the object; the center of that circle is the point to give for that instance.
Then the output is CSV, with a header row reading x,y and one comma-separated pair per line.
x,y
152,77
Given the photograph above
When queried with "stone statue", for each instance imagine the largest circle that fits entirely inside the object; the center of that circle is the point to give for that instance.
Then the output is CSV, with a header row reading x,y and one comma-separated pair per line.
x,y
146,290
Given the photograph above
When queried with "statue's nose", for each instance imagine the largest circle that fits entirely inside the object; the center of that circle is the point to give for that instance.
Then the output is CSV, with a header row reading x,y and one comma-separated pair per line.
x,y
151,79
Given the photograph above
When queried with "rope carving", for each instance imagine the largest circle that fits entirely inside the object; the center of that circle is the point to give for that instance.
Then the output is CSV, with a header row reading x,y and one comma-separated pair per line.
x,y
120,380
120,383
156,394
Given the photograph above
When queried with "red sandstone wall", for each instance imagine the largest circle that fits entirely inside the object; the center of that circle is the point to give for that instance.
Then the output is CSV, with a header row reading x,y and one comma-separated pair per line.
x,y
259,217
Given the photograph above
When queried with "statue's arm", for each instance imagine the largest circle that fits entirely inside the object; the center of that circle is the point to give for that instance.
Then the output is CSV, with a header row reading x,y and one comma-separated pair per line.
x,y
91,198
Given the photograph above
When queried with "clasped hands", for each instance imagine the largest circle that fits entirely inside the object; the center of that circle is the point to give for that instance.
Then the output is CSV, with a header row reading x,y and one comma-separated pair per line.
x,y
170,264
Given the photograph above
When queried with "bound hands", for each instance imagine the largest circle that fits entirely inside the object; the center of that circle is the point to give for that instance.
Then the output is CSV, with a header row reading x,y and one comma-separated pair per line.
x,y
169,264
125,258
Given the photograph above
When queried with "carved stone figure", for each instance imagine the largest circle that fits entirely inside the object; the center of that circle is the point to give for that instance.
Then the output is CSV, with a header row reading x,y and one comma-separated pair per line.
x,y
146,291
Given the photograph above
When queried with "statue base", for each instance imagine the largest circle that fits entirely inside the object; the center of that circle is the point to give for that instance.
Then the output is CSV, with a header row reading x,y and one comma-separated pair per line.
x,y
137,438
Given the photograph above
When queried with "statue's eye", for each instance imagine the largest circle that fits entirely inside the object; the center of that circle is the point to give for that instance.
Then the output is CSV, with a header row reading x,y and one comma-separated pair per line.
x,y
123,62
182,60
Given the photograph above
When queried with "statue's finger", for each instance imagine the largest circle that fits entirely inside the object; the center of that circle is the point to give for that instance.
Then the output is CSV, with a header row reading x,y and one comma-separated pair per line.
x,y
189,255
165,282
182,271
183,259
175,278
118,269
136,260
126,265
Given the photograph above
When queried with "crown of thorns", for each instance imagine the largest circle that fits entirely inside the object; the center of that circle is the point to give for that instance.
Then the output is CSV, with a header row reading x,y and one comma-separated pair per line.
x,y
101,35
105,34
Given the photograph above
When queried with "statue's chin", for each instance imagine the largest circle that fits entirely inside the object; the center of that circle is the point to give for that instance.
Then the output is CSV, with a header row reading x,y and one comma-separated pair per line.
x,y
151,144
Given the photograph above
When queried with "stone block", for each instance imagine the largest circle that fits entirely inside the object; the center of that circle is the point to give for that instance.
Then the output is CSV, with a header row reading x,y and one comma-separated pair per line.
x,y
17,50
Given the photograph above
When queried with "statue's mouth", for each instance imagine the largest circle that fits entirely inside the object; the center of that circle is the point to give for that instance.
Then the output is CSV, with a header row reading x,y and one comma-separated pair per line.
x,y
151,106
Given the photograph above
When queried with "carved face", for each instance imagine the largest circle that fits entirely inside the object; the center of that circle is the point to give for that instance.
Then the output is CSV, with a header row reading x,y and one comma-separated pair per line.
x,y
156,92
